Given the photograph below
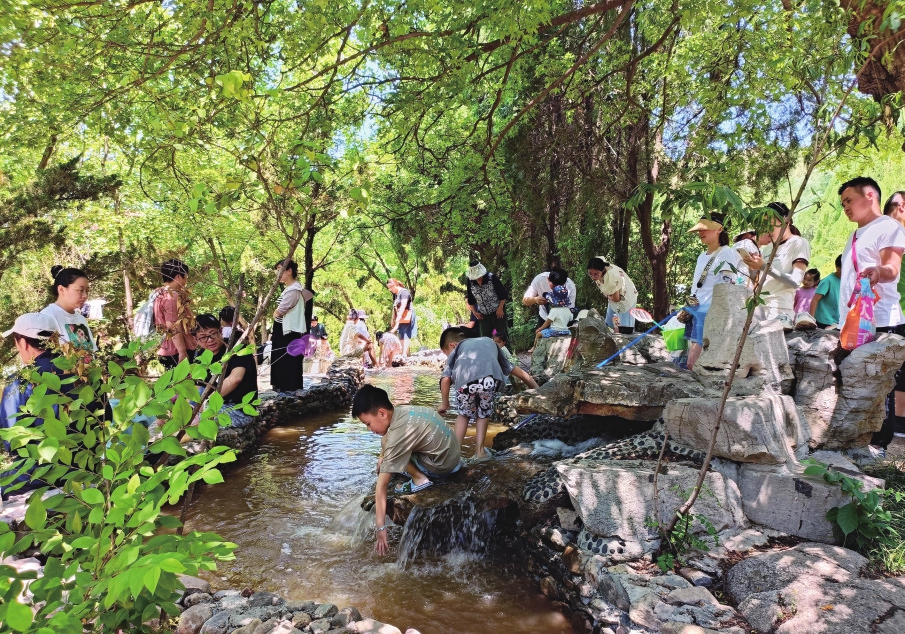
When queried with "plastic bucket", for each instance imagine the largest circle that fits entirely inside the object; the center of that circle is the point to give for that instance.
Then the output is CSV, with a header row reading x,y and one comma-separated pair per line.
x,y
675,339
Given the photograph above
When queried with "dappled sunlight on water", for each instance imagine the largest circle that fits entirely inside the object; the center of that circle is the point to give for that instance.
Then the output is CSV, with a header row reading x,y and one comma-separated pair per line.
x,y
279,506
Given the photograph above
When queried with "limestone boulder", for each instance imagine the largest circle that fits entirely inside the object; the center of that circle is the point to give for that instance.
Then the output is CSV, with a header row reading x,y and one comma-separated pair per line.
x,y
550,356
649,349
595,340
370,626
633,392
761,429
555,397
815,588
843,405
615,498
765,357
791,502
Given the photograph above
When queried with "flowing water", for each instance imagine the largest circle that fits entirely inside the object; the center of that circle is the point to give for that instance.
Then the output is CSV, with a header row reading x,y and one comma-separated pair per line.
x,y
293,510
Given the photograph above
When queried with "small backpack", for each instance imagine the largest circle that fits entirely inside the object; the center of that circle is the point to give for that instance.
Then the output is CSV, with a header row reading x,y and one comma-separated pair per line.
x,y
143,324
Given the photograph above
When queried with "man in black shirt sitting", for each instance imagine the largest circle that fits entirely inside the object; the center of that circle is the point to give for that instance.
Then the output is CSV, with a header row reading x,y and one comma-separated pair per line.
x,y
241,375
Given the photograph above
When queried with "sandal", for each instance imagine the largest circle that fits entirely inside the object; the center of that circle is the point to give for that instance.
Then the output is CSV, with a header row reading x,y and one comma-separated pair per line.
x,y
409,487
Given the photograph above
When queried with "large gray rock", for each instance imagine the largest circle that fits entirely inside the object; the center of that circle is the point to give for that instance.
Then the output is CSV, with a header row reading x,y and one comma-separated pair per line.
x,y
792,502
549,356
763,429
615,498
217,624
815,588
765,357
634,392
370,626
596,342
844,406
191,621
655,601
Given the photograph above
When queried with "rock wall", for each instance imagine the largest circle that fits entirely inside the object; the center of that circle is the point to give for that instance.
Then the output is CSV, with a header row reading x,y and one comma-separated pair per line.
x,y
843,404
335,392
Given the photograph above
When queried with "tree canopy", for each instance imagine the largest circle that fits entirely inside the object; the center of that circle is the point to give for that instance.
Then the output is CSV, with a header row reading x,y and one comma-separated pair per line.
x,y
399,138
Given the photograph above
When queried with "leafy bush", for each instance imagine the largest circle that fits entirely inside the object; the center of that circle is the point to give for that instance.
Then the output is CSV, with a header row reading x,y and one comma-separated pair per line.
x,y
889,556
112,557
863,523
521,337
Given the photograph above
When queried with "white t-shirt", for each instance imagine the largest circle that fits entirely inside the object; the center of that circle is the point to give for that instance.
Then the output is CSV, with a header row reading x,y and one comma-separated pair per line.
x,y
540,285
720,272
781,296
349,343
95,308
879,234
560,316
750,247
73,327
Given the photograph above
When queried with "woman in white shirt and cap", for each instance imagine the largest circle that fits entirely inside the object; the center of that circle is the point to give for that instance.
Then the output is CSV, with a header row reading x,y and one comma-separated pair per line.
x,y
286,371
618,288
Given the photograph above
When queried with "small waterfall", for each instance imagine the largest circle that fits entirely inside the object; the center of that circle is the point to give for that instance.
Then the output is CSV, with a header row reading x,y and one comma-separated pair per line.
x,y
459,525
354,521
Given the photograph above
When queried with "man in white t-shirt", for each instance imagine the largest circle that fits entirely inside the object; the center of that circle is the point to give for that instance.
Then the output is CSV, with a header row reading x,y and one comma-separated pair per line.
x,y
880,242
534,294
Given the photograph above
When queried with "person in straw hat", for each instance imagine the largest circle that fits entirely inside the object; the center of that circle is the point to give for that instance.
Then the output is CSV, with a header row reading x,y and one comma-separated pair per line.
x,y
714,266
487,299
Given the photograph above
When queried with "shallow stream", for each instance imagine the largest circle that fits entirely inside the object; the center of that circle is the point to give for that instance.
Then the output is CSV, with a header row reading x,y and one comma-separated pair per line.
x,y
278,506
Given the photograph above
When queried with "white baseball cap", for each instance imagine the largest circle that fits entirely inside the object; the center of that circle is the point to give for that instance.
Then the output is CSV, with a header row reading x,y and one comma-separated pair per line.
x,y
33,325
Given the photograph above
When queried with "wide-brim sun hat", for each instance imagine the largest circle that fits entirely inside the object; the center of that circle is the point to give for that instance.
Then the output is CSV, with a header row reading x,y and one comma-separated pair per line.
x,y
705,224
362,314
475,270
558,296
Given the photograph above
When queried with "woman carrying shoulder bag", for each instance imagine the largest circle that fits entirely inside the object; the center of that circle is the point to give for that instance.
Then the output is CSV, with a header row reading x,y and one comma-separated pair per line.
x,y
714,266
286,371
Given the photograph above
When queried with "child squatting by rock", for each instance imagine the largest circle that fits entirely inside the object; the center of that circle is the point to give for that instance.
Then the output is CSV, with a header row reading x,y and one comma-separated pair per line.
x,y
414,441
478,368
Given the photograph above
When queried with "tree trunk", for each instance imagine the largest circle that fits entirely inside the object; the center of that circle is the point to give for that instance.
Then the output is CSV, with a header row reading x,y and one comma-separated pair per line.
x,y
127,283
656,251
310,233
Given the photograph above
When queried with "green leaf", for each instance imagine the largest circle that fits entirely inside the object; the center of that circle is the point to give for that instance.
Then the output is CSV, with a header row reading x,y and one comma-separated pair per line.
x,y
172,565
848,518
213,476
169,445
18,616
36,515
208,428
151,577
48,448
93,497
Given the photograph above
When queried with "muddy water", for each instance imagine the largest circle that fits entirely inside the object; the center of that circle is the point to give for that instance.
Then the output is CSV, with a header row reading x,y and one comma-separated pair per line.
x,y
278,504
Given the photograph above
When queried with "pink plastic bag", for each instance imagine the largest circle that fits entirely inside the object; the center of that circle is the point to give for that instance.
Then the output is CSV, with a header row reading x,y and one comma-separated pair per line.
x,y
859,327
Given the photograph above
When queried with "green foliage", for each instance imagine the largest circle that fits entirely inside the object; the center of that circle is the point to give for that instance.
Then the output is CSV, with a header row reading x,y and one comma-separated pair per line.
x,y
889,557
112,558
862,523
684,537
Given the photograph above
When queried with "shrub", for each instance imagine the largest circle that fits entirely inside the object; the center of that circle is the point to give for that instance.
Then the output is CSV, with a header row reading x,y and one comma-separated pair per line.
x,y
112,557
862,523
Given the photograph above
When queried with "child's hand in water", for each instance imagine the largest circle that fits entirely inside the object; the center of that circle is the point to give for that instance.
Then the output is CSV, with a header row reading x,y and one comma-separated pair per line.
x,y
382,545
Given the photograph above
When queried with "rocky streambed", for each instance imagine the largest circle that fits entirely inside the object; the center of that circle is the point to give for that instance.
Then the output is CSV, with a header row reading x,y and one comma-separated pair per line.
x,y
249,612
